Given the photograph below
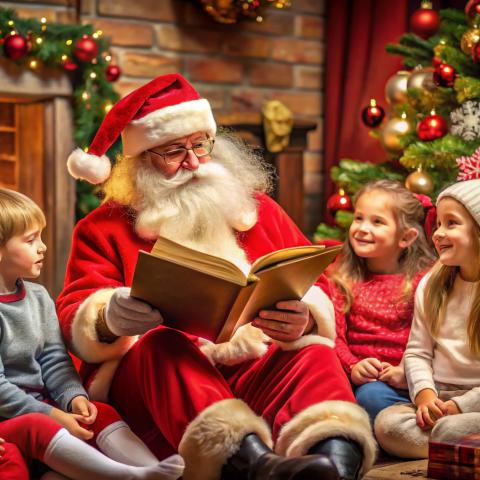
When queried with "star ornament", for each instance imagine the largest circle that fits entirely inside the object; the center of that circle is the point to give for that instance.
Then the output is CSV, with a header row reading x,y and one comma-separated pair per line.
x,y
469,167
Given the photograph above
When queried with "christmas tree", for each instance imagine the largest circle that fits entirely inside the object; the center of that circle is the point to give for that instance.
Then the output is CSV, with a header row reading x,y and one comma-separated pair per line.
x,y
434,113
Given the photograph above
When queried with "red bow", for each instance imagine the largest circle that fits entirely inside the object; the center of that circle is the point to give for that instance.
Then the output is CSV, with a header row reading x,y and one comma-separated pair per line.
x,y
430,221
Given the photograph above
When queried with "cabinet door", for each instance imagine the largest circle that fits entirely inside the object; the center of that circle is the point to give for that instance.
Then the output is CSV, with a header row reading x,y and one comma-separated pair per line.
x,y
22,163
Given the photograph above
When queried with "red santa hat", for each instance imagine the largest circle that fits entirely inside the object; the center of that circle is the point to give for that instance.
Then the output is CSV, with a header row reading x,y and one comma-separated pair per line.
x,y
164,109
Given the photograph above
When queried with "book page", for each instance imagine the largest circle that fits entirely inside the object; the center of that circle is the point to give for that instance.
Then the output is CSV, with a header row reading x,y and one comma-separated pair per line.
x,y
203,262
285,254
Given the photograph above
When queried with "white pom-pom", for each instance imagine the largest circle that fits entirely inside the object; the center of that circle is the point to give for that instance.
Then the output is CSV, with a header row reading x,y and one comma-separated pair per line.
x,y
88,167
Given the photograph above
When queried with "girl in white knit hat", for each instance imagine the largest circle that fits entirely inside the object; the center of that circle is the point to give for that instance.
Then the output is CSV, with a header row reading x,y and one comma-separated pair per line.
x,y
442,360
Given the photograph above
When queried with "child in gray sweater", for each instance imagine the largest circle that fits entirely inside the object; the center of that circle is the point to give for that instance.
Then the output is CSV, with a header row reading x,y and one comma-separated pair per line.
x,y
38,376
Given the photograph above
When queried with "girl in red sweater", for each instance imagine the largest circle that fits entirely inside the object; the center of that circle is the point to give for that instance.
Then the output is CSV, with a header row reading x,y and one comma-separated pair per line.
x,y
384,257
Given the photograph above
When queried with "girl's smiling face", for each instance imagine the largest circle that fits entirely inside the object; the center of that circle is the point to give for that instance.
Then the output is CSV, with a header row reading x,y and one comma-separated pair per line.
x,y
456,238
375,234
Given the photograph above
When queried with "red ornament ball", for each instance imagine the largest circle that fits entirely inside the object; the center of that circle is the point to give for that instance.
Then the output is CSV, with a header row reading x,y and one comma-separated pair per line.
x,y
339,201
70,65
15,46
431,128
86,49
425,22
112,73
444,75
476,53
373,115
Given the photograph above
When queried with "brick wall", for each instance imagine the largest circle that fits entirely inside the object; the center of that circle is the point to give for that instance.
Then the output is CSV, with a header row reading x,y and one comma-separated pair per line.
x,y
236,67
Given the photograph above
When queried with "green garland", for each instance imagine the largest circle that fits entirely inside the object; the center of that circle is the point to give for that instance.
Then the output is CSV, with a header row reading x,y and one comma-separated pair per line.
x,y
52,45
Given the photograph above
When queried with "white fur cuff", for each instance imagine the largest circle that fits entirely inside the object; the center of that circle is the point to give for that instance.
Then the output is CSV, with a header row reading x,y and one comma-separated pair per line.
x,y
333,418
247,343
85,342
215,435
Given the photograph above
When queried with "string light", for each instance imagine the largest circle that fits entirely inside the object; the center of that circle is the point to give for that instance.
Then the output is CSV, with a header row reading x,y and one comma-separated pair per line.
x,y
85,96
93,75
108,107
33,64
10,23
68,42
64,57
108,58
39,40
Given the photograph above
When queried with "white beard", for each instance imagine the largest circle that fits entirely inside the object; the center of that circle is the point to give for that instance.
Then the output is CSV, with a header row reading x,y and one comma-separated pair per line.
x,y
199,209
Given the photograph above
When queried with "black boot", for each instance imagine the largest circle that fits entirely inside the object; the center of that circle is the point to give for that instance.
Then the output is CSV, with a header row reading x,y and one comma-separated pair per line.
x,y
345,454
255,461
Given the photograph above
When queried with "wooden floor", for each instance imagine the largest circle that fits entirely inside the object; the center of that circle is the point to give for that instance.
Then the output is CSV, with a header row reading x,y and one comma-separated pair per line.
x,y
398,471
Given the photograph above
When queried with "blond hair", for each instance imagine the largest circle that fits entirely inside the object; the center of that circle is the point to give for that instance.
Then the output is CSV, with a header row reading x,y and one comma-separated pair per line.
x,y
437,290
409,213
18,213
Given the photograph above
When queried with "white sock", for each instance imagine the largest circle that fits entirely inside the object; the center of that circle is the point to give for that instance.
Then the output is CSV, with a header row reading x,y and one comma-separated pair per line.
x,y
118,442
77,460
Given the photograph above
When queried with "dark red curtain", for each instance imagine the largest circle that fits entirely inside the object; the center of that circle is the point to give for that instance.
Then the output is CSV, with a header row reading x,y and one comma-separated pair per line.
x,y
357,68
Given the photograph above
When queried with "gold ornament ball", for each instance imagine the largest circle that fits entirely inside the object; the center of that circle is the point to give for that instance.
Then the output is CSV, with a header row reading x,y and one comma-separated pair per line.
x,y
419,182
396,87
469,39
391,133
420,78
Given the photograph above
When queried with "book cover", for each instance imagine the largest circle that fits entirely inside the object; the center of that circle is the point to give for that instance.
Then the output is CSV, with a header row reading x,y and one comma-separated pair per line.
x,y
210,297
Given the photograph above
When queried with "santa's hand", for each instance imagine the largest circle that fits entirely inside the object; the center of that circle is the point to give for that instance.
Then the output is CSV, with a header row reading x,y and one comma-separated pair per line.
x,y
286,324
127,316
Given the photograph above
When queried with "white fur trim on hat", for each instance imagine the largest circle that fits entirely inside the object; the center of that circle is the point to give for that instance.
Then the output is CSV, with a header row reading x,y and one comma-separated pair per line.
x,y
88,167
332,418
215,435
166,124
468,194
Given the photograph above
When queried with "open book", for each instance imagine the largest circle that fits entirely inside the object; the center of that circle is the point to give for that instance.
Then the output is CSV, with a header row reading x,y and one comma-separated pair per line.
x,y
210,297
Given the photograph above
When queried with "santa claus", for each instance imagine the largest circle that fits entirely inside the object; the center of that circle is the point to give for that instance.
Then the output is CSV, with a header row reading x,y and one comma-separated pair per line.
x,y
273,403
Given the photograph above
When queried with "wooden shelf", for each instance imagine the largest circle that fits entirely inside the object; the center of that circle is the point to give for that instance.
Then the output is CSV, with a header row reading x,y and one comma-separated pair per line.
x,y
8,158
4,128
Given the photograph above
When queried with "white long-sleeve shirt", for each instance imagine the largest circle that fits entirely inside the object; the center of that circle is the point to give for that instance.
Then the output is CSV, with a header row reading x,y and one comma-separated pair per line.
x,y
446,359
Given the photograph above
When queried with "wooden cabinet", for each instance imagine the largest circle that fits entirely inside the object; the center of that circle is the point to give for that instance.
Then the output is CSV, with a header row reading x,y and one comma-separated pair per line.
x,y
35,137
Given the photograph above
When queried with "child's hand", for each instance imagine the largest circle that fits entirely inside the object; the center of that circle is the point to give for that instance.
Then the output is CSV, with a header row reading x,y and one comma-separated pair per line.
x,y
82,406
2,448
429,408
452,408
366,370
70,422
394,376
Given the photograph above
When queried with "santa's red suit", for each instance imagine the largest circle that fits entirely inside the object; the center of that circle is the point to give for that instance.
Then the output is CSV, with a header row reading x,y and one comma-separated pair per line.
x,y
167,388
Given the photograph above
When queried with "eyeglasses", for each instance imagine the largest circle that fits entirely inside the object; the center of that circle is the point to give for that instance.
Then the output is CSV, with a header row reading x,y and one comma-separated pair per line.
x,y
201,148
